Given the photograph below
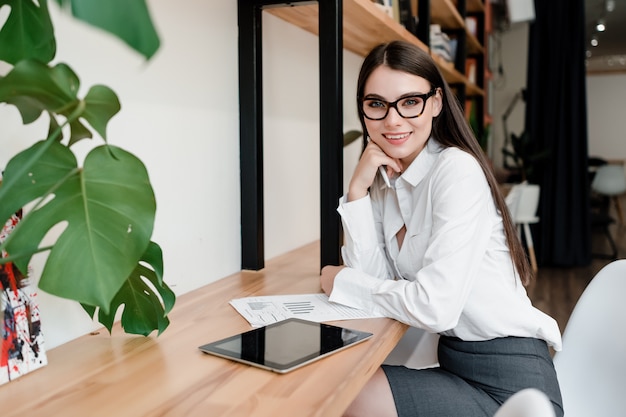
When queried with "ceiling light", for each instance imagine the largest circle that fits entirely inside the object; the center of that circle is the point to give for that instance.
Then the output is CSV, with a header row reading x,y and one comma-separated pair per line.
x,y
600,27
594,41
610,5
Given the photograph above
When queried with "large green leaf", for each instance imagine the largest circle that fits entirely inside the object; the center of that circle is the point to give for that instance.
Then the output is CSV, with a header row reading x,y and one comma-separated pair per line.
x,y
27,32
101,104
31,175
108,209
144,310
34,87
129,20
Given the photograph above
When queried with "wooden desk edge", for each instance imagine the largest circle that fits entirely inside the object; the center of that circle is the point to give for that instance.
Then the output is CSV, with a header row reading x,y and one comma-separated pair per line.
x,y
77,368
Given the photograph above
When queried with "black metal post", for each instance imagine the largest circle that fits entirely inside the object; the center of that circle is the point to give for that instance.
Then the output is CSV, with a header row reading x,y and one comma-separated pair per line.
x,y
251,127
423,24
331,128
251,134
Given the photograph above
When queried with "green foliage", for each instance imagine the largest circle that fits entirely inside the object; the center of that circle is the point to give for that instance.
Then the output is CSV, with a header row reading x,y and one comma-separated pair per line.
x,y
480,132
350,136
524,156
27,33
138,297
34,87
104,210
129,20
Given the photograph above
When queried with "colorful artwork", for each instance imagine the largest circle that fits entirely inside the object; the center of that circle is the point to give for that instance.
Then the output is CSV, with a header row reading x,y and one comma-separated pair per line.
x,y
22,345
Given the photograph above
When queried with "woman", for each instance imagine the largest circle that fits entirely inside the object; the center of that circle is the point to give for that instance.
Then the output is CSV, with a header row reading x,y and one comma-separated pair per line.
x,y
429,242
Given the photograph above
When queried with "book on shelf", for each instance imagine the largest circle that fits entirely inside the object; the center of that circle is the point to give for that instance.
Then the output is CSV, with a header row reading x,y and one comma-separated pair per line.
x,y
471,23
402,11
440,43
470,69
468,108
408,19
395,7
385,6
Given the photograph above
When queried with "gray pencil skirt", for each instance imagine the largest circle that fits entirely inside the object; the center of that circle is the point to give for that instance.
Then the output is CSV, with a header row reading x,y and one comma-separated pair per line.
x,y
474,378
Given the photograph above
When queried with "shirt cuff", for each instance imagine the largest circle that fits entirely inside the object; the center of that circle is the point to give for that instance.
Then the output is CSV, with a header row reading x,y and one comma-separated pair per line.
x,y
354,289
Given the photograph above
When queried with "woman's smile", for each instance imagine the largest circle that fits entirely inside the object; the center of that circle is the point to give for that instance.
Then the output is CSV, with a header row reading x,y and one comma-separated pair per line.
x,y
397,138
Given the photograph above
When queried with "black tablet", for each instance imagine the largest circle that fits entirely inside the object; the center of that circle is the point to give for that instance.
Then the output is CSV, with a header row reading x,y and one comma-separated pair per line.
x,y
284,346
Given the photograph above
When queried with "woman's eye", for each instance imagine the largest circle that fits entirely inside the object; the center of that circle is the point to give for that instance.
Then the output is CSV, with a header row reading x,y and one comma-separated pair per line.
x,y
376,104
411,101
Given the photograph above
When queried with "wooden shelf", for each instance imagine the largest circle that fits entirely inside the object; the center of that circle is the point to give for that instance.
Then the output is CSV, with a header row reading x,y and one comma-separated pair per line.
x,y
365,26
475,6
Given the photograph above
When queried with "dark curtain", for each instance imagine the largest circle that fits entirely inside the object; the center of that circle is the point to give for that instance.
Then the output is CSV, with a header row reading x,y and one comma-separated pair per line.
x,y
556,120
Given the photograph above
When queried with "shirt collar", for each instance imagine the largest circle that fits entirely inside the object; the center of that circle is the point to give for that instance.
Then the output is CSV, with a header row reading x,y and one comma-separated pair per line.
x,y
422,163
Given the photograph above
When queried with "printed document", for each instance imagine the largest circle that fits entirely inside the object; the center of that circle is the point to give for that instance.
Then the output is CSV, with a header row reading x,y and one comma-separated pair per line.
x,y
264,310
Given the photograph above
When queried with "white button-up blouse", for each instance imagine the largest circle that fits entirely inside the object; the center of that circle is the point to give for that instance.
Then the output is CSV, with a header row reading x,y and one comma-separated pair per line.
x,y
453,274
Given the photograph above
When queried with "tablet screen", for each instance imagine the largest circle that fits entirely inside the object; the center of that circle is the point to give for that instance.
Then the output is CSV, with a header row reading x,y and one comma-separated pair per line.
x,y
286,345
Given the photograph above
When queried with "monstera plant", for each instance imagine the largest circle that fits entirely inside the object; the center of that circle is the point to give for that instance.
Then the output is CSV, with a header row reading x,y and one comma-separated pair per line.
x,y
103,208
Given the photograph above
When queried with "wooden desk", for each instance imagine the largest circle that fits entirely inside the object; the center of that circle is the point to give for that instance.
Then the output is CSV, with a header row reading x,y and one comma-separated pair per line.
x,y
123,375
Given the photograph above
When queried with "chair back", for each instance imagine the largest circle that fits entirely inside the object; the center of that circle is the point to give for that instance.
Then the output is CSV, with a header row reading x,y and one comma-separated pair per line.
x,y
523,201
529,402
591,368
609,180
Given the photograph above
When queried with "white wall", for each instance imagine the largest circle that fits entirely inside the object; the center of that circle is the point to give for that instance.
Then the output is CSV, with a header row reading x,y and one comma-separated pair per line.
x,y
606,118
513,54
291,132
180,115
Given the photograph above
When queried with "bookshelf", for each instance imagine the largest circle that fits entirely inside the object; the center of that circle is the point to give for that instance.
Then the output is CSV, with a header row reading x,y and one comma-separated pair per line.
x,y
365,26
355,25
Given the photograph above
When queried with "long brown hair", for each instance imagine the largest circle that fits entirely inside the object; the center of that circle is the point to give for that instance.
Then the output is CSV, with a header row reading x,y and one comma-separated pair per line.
x,y
449,128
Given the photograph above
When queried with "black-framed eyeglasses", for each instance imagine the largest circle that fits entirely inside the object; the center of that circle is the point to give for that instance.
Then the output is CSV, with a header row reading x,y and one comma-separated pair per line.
x,y
408,107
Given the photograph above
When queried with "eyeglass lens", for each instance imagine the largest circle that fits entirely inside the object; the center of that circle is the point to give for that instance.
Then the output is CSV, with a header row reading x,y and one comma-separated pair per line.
x,y
407,107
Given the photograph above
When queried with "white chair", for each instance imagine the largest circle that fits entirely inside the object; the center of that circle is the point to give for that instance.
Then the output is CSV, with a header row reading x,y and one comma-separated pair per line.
x,y
609,180
592,365
529,402
522,202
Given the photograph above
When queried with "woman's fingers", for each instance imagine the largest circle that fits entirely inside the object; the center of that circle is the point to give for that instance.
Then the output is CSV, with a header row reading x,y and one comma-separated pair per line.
x,y
379,158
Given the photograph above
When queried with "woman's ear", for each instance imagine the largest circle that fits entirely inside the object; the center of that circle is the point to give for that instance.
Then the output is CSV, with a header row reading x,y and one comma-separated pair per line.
x,y
437,102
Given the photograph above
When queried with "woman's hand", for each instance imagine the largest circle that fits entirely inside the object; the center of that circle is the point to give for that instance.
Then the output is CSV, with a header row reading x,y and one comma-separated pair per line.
x,y
327,277
365,171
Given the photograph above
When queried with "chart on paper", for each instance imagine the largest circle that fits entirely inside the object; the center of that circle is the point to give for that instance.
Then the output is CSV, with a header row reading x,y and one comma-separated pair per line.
x,y
300,307
264,310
